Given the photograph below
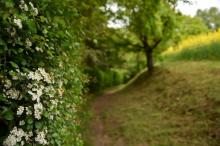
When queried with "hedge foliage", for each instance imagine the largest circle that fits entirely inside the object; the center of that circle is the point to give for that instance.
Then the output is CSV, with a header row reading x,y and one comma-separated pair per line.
x,y
40,76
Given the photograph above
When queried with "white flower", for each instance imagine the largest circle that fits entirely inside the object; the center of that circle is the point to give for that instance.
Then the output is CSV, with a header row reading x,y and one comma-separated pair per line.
x,y
51,117
35,76
40,138
46,76
35,10
20,110
39,49
8,84
35,97
38,110
28,110
23,6
13,94
28,136
28,42
14,137
22,143
30,3
29,85
21,123
60,92
54,102
18,22
10,141
19,133
37,94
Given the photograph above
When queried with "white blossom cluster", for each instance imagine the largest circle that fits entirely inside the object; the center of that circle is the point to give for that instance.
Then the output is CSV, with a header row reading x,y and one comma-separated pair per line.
x,y
38,110
28,42
38,49
39,88
17,136
36,93
34,90
10,92
20,110
41,138
40,74
7,84
22,122
24,110
13,94
28,110
18,22
33,9
23,6
27,8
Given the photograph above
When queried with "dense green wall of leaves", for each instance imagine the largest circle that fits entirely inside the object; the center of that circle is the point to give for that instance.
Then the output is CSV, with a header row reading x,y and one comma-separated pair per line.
x,y
40,72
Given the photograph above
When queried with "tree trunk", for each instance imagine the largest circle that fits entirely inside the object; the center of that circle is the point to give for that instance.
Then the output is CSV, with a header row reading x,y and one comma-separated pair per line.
x,y
149,53
149,57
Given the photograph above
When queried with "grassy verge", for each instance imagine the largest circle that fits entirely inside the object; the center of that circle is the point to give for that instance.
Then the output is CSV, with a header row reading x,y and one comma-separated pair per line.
x,y
202,52
201,47
178,106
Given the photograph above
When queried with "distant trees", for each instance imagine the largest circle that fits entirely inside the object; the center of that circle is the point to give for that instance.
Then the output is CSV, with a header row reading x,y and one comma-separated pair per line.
x,y
144,27
188,26
155,24
211,17
151,25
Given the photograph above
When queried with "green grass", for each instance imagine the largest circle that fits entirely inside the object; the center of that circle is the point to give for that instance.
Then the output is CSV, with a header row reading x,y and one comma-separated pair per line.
x,y
200,52
178,106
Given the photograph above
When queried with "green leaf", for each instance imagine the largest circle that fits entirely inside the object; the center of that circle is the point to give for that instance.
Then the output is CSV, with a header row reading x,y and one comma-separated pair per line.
x,y
29,127
23,62
9,4
14,64
29,120
2,97
39,125
20,50
8,114
25,69
2,42
42,19
32,26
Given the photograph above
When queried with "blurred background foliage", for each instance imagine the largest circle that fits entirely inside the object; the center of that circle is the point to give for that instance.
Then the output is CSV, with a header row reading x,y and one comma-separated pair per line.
x,y
114,55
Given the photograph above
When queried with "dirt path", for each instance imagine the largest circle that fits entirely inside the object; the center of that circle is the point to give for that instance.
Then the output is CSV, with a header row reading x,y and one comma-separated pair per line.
x,y
98,136
101,138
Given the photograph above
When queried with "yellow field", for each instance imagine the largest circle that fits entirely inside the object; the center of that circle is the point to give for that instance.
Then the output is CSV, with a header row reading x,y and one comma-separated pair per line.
x,y
195,42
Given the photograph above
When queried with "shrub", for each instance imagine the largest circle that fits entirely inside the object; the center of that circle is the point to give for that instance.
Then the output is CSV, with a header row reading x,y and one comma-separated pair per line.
x,y
40,79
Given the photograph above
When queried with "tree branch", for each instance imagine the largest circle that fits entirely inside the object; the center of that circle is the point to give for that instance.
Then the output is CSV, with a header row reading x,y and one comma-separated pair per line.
x,y
157,42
